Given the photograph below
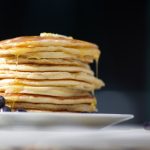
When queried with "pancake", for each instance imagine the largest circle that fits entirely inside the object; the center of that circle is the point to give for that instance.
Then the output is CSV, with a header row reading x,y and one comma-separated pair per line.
x,y
52,91
74,84
45,40
44,68
81,76
41,55
10,98
19,51
55,61
53,107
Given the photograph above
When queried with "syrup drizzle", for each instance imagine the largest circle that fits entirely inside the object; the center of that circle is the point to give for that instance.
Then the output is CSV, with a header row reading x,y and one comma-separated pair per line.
x,y
96,67
5,94
14,101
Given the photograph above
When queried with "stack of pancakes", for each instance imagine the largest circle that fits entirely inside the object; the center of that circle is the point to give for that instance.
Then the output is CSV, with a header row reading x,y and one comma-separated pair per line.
x,y
49,72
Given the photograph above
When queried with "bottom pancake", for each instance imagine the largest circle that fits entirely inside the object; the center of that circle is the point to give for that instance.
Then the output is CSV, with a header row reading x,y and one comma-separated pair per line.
x,y
54,107
50,103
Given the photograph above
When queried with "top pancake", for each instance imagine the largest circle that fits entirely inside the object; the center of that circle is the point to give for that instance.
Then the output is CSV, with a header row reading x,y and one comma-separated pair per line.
x,y
46,39
48,42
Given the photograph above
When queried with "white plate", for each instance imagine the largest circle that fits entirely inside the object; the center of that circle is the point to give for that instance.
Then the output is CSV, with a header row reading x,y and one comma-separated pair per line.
x,y
44,119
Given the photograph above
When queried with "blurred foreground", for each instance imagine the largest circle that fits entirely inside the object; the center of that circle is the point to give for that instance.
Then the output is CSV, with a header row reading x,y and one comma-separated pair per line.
x,y
112,138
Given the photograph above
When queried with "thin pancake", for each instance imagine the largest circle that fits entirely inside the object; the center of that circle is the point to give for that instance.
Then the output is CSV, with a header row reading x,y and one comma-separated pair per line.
x,y
48,55
44,68
46,39
52,91
51,76
10,98
94,53
74,84
52,61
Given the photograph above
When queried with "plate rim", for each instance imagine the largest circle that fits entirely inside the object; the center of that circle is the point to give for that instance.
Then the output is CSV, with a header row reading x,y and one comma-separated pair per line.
x,y
73,119
69,114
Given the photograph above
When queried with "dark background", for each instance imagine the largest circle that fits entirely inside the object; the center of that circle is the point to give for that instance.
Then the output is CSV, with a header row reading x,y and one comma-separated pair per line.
x,y
120,28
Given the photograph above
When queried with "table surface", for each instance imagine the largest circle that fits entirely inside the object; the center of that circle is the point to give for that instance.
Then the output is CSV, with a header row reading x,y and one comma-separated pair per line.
x,y
119,137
